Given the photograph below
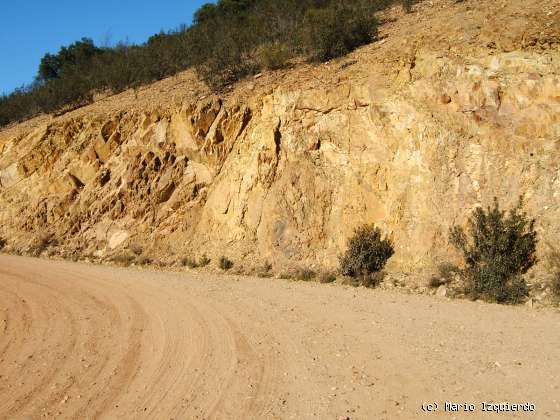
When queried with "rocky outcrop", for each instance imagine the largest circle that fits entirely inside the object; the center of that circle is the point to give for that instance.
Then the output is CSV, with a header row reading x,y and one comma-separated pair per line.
x,y
285,173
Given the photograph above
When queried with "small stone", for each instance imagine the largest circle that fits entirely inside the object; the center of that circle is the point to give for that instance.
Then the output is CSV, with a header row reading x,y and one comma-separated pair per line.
x,y
441,291
445,98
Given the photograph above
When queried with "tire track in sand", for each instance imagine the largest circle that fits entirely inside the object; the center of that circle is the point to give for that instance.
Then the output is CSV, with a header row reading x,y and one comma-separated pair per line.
x,y
105,349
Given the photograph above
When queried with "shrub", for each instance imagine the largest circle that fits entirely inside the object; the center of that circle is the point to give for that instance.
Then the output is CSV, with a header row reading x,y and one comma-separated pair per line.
x,y
189,262
447,271
367,252
435,282
498,249
3,243
143,260
225,263
193,263
228,60
446,274
123,259
555,286
334,31
265,270
554,267
407,5
136,249
274,55
371,280
204,261
327,277
350,281
40,244
68,58
160,263
304,274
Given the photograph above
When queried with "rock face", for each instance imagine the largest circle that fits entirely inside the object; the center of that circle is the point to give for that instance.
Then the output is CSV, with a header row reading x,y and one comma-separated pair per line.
x,y
409,136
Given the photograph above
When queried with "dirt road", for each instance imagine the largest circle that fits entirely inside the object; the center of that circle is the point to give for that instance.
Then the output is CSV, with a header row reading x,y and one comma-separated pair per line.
x,y
82,342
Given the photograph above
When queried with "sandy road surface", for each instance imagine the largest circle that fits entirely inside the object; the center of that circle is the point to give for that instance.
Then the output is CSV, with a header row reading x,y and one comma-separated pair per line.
x,y
82,342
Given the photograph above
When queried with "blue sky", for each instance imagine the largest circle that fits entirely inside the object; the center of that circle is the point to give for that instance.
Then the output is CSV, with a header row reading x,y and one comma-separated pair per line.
x,y
31,28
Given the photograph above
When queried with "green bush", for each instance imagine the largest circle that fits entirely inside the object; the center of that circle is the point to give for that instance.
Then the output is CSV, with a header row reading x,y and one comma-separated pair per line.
x,y
367,253
407,5
498,248
274,55
67,59
225,263
334,31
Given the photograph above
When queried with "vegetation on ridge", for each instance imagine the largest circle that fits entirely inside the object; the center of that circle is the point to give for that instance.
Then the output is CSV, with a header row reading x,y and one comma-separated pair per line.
x,y
227,41
498,248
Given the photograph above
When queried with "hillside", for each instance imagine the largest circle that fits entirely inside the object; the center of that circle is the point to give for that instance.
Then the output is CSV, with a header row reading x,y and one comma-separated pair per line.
x,y
456,104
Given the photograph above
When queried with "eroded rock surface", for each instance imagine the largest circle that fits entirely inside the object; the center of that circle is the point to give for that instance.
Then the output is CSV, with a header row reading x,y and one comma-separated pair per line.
x,y
409,135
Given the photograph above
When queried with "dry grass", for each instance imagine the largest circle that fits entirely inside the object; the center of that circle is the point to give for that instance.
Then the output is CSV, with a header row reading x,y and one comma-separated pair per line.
x,y
372,280
143,260
305,274
124,259
265,271
40,244
554,268
327,277
136,249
